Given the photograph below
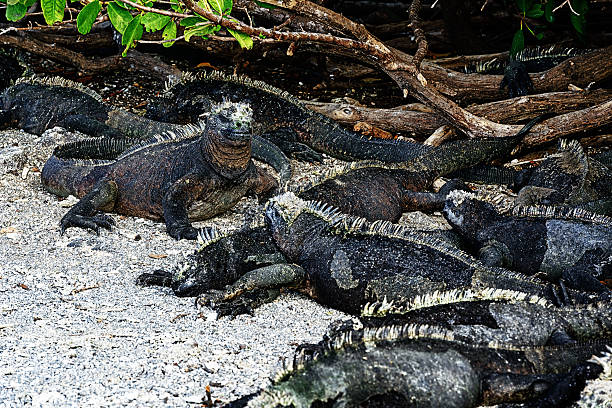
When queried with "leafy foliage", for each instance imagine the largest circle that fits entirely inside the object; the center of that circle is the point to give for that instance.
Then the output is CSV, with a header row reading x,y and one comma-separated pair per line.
x,y
542,11
131,22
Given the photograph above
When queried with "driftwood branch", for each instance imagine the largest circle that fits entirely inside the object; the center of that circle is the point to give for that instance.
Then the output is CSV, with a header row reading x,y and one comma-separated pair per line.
x,y
418,120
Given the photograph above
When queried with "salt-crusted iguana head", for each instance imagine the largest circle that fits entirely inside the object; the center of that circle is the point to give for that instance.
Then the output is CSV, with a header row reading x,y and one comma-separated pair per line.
x,y
233,119
466,213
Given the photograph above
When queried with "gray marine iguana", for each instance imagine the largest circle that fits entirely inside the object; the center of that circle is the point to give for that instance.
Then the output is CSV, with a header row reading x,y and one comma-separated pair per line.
x,y
426,366
279,117
173,177
40,103
484,315
516,69
553,242
345,262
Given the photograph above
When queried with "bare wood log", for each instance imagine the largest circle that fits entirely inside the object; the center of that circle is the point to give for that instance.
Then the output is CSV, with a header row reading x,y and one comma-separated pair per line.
x,y
416,119
570,124
580,71
90,65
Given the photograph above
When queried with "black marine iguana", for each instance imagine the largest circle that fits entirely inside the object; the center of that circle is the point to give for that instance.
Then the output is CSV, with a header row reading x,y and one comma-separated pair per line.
x,y
425,366
516,69
557,243
345,262
279,117
37,104
383,191
170,177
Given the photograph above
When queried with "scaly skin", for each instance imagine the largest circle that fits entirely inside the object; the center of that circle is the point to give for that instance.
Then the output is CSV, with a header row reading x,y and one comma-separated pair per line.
x,y
345,262
36,105
516,69
485,315
425,366
573,246
279,117
383,191
176,179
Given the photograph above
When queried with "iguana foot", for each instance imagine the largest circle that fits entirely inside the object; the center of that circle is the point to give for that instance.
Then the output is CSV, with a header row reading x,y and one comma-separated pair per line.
x,y
82,221
157,278
179,231
246,303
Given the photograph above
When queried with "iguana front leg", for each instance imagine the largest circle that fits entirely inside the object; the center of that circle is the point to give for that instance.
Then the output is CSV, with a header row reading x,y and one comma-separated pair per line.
x,y
246,293
177,200
83,214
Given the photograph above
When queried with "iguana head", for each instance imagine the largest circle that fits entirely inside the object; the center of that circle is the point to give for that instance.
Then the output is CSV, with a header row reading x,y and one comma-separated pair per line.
x,y
232,119
465,212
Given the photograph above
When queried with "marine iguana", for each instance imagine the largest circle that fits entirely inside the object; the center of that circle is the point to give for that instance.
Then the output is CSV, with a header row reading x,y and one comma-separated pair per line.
x,y
174,177
421,365
567,177
383,191
556,243
220,259
40,103
345,262
279,117
484,315
516,69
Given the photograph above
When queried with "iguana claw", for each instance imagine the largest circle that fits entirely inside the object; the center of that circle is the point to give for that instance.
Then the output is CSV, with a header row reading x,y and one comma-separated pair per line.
x,y
93,223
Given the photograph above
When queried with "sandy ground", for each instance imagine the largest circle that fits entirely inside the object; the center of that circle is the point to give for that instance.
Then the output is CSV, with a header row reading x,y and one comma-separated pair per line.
x,y
75,330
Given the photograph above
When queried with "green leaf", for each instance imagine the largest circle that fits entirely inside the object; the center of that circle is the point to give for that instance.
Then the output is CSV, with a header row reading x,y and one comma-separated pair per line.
x,y
15,12
524,5
578,22
133,32
12,2
169,33
154,21
53,10
265,5
119,17
200,31
87,16
548,8
191,21
221,6
539,36
243,39
28,3
535,11
518,43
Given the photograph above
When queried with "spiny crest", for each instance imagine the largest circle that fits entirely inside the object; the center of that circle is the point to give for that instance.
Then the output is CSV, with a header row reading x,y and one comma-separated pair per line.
x,y
290,207
438,298
208,236
188,77
554,51
271,398
561,212
59,81
185,132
